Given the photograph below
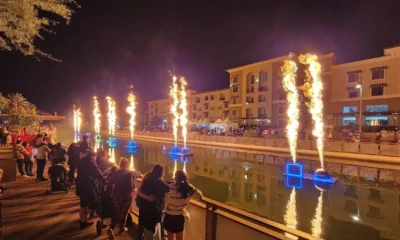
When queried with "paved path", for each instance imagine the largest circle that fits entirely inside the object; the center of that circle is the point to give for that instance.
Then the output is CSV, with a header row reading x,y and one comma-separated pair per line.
x,y
29,214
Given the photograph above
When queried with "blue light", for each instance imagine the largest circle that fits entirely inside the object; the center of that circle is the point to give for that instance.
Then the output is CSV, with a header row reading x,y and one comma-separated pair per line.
x,y
324,179
175,157
294,182
132,144
184,159
185,151
175,150
294,170
112,142
131,150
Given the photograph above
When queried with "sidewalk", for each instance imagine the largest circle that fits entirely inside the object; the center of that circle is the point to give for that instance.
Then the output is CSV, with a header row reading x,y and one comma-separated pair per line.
x,y
29,214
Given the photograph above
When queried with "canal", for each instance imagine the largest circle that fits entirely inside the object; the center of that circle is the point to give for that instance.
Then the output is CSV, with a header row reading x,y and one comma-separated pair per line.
x,y
362,204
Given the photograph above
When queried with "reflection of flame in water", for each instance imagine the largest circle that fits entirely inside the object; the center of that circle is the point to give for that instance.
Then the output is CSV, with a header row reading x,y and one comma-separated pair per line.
x,y
183,106
317,221
313,89
96,115
111,153
291,214
289,84
174,108
77,123
131,110
112,116
184,166
131,164
175,166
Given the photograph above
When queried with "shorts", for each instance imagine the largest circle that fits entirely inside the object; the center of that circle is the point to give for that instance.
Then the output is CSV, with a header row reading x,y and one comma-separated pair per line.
x,y
174,223
88,200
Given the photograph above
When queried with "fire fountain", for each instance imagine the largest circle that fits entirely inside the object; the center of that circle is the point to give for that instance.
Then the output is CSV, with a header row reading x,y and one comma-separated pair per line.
x,y
77,123
131,110
112,119
97,122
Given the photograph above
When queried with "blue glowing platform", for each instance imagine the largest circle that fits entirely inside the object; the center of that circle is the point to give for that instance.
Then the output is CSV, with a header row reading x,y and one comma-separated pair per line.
x,y
294,170
132,144
180,152
112,141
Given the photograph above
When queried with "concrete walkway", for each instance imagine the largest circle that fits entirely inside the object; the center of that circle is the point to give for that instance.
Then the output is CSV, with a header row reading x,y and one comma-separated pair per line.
x,y
29,214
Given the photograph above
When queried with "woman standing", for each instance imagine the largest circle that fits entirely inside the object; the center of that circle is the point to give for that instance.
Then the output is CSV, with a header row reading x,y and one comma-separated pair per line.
x,y
180,193
73,160
28,159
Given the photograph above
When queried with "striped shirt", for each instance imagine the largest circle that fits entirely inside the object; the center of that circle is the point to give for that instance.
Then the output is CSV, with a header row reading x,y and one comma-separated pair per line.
x,y
176,204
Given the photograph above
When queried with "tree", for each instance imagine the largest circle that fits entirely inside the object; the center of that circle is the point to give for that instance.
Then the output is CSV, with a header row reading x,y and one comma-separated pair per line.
x,y
21,23
3,103
17,101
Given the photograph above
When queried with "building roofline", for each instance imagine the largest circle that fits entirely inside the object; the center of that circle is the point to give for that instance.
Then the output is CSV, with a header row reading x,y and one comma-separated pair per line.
x,y
360,62
216,90
277,59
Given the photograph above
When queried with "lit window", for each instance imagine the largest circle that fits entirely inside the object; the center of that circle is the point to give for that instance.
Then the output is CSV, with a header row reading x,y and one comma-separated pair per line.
x,y
349,121
350,109
377,108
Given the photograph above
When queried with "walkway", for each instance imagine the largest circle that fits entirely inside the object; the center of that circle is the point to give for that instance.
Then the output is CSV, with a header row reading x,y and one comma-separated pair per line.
x,y
29,214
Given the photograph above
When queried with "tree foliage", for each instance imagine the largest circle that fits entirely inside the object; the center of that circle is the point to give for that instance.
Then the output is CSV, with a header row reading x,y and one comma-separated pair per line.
x,y
22,21
3,103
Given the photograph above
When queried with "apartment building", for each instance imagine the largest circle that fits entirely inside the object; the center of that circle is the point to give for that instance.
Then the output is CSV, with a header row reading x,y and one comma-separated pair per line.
x,y
257,94
372,83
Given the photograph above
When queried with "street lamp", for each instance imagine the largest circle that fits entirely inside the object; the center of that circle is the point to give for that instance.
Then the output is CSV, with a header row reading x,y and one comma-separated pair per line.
x,y
359,86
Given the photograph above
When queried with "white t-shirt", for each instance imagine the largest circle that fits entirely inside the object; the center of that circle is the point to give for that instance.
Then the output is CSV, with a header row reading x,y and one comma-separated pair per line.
x,y
42,152
175,204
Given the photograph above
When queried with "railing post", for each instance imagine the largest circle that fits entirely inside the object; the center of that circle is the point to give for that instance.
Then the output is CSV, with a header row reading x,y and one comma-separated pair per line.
x,y
1,219
211,222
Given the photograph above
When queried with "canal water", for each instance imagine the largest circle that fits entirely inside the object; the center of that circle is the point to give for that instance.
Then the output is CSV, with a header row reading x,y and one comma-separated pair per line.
x,y
363,204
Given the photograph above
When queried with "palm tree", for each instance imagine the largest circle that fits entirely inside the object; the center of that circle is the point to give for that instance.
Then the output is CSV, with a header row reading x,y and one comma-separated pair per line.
x,y
17,101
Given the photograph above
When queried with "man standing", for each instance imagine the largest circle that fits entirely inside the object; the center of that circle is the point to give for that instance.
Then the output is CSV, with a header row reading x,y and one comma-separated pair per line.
x,y
41,158
88,172
84,145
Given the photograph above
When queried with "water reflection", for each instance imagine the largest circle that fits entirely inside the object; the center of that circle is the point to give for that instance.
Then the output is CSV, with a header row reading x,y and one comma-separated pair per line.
x,y
111,154
76,137
132,164
353,208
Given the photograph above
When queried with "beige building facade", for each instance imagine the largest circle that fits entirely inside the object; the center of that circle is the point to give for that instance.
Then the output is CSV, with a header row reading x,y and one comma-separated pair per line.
x,y
256,97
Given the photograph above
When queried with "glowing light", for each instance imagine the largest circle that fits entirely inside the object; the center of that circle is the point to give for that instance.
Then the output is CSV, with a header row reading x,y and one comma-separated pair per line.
x,y
316,223
112,116
175,166
131,163
77,122
291,214
184,166
313,89
356,218
97,144
174,91
183,106
132,112
289,70
96,115
111,154
294,170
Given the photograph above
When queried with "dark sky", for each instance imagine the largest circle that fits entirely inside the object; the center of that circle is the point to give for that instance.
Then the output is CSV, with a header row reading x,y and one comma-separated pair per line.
x,y
110,44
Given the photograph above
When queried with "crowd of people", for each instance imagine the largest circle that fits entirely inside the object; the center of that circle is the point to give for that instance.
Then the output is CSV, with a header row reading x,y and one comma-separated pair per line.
x,y
158,201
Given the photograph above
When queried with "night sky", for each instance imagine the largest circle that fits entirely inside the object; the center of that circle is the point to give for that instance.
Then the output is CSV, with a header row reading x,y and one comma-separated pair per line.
x,y
110,44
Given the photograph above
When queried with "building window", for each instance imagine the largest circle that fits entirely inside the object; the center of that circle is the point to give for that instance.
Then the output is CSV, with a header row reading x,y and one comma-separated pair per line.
x,y
262,98
249,100
222,97
211,97
194,115
156,110
281,96
353,76
263,77
281,109
235,89
235,80
234,112
377,120
197,99
206,98
282,122
352,93
378,73
377,108
252,79
194,107
350,109
349,121
156,104
377,91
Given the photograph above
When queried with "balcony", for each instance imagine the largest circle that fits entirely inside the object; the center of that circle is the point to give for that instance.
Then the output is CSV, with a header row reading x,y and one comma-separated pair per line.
x,y
250,90
263,89
261,115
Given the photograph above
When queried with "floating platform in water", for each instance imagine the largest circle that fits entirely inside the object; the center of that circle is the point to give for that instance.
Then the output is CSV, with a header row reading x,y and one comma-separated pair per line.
x,y
180,152
295,170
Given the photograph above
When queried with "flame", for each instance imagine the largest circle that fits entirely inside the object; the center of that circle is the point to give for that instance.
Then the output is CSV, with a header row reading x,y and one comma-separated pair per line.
x,y
112,116
291,214
132,111
317,221
313,89
77,122
184,166
175,167
174,108
97,115
111,154
289,69
131,164
183,106
97,144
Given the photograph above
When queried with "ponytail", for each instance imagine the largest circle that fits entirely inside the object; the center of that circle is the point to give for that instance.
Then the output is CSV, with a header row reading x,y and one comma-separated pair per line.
x,y
183,185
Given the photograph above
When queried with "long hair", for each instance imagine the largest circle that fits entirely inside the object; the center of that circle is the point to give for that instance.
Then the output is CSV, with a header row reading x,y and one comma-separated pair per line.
x,y
182,183
157,171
